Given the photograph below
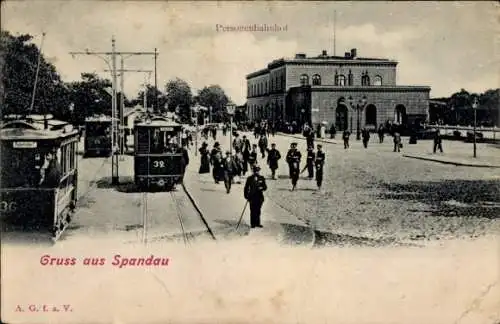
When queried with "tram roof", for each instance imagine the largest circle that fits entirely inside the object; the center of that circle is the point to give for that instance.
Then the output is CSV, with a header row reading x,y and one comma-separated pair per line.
x,y
102,118
22,130
159,122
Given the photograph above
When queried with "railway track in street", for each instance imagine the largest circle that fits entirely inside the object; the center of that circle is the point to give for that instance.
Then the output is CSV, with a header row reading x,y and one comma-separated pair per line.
x,y
187,224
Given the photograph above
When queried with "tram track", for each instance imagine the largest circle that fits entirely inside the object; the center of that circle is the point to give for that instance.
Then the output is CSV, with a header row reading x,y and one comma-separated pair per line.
x,y
190,220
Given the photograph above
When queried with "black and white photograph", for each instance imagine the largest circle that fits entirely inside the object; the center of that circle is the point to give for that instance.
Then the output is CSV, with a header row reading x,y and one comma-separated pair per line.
x,y
249,162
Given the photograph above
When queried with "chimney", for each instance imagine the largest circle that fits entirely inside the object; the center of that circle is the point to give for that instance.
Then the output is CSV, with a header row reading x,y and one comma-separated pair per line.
x,y
324,53
300,56
347,55
353,53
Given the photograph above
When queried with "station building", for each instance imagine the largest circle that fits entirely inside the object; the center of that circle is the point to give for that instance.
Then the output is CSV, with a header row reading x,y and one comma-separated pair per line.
x,y
334,89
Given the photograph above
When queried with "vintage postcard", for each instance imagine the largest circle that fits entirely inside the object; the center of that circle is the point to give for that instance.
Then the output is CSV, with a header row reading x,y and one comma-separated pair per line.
x,y
249,162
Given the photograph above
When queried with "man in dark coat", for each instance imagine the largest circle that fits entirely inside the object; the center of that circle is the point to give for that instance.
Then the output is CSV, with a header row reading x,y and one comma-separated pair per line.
x,y
51,172
273,157
245,151
263,145
252,157
293,158
310,162
381,132
366,137
397,142
438,142
254,193
319,163
345,137
333,131
230,170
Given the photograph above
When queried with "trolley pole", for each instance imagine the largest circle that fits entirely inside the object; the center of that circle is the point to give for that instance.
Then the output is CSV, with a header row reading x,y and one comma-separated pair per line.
x,y
114,119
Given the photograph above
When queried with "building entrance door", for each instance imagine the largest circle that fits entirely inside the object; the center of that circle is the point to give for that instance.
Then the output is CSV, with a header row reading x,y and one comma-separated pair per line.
x,y
341,117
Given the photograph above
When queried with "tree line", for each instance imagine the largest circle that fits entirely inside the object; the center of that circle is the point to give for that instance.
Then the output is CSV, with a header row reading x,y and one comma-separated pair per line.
x,y
458,110
74,101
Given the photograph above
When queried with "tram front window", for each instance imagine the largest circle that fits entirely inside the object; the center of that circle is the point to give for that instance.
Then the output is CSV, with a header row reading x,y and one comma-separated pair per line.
x,y
21,168
98,129
163,141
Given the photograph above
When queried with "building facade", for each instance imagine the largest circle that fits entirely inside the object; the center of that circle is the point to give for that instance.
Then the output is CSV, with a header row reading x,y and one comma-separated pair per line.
x,y
342,90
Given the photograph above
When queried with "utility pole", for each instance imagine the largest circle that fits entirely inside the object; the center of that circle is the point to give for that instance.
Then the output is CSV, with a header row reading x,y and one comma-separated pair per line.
x,y
156,84
122,102
115,114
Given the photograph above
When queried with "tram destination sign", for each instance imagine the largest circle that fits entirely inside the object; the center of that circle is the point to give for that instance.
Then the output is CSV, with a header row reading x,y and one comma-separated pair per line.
x,y
166,129
24,145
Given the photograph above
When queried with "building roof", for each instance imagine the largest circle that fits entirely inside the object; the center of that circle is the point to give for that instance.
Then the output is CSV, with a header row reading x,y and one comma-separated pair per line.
x,y
386,88
323,59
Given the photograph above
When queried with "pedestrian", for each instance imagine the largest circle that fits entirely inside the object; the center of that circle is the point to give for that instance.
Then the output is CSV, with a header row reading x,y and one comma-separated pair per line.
x,y
309,135
293,158
345,137
214,132
397,142
310,162
216,161
237,142
381,132
252,157
230,169
50,172
333,131
366,137
319,163
263,145
273,156
438,141
238,158
254,193
204,159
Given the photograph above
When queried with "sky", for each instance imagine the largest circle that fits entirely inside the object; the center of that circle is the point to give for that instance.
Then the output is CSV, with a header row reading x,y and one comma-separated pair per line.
x,y
444,45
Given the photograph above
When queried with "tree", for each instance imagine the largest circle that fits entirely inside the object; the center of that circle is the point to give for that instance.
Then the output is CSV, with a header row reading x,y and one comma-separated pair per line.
x,y
90,97
18,78
214,96
179,98
151,93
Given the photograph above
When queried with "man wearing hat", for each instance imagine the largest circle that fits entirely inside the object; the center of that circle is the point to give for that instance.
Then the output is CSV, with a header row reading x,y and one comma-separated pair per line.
x,y
273,157
230,169
254,193
50,172
293,158
319,163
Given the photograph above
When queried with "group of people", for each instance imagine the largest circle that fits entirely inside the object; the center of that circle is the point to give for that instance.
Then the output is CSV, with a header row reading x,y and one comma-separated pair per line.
x,y
231,166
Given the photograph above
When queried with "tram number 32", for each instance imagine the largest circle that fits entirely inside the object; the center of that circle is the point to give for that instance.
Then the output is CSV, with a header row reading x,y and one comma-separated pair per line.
x,y
6,206
158,164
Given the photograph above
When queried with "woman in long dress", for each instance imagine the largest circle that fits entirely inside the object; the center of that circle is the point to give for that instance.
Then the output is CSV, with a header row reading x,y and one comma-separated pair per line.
x,y
205,159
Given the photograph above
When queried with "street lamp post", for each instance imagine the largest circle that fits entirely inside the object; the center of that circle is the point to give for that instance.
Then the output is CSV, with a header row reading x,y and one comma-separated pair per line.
x,y
360,105
230,110
474,106
196,109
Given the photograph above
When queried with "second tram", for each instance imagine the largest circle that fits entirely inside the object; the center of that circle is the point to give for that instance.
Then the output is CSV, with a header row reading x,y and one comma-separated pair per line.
x,y
98,136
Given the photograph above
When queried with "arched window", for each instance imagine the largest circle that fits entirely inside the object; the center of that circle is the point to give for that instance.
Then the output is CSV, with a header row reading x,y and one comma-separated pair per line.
x,y
316,79
282,81
365,79
277,83
304,80
265,89
377,81
341,80
371,115
350,78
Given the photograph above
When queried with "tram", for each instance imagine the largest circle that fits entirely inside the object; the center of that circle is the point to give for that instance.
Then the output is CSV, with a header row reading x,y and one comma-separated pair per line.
x,y
39,174
97,136
159,158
